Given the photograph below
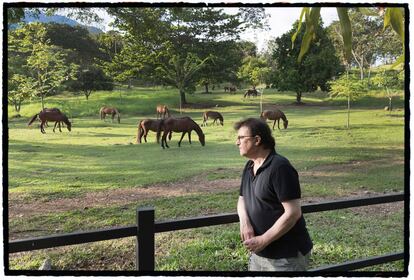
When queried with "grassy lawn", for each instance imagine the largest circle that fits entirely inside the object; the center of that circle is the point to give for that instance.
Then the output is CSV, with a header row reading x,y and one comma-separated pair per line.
x,y
100,158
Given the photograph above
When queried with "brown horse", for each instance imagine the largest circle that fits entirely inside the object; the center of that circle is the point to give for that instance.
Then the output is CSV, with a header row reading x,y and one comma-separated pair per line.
x,y
230,89
212,115
251,92
163,112
184,125
51,115
46,124
109,111
145,126
275,115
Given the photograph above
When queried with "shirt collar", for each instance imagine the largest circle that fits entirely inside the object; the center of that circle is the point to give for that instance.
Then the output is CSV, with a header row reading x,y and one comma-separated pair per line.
x,y
265,164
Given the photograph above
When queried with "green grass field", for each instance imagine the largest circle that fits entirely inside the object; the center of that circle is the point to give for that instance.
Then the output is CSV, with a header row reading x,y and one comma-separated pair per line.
x,y
53,176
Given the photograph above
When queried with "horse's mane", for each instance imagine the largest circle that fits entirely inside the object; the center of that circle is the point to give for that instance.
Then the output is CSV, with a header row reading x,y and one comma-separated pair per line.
x,y
197,128
32,119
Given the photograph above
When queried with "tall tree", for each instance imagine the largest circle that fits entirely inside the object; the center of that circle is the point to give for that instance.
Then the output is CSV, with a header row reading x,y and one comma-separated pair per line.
x,y
348,86
370,41
45,65
318,66
90,79
253,70
391,81
226,58
167,38
392,16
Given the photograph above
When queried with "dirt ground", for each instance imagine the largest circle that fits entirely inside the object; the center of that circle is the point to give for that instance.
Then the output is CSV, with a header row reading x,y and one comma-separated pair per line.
x,y
195,185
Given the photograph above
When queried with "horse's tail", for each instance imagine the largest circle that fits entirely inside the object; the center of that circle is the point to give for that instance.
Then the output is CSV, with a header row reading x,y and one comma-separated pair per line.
x,y
119,115
159,129
32,119
101,113
140,131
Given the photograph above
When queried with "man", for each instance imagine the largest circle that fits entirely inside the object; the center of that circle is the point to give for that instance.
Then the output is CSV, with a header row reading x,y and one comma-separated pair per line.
x,y
272,226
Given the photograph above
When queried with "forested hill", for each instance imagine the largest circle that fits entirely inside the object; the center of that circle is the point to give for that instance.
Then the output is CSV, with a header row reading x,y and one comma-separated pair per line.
x,y
57,19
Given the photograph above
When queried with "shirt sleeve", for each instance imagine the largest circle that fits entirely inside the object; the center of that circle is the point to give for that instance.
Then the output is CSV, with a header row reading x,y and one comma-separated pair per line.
x,y
243,177
286,183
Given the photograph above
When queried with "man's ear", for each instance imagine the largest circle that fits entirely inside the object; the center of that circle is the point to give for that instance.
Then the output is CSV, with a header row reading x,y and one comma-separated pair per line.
x,y
258,140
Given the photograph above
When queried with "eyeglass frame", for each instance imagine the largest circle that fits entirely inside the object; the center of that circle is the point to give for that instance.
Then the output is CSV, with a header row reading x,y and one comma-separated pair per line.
x,y
239,138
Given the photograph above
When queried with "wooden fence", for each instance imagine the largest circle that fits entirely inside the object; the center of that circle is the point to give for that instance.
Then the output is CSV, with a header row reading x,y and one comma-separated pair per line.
x,y
146,227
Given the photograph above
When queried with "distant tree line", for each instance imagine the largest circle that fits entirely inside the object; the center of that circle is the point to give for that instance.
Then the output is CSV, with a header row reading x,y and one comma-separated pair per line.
x,y
188,47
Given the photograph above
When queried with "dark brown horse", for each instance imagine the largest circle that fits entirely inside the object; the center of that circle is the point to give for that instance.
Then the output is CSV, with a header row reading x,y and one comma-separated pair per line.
x,y
275,115
46,124
184,125
212,115
109,111
51,115
251,92
230,89
163,112
145,126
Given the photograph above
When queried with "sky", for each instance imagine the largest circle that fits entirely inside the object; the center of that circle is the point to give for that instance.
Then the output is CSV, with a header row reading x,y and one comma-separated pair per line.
x,y
280,21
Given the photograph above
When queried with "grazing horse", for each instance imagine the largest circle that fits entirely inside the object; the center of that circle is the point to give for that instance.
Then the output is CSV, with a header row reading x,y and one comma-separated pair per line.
x,y
251,92
51,115
230,89
109,111
162,112
184,125
46,124
145,126
212,115
275,115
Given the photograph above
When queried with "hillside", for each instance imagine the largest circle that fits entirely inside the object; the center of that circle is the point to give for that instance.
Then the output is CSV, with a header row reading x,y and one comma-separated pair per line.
x,y
57,19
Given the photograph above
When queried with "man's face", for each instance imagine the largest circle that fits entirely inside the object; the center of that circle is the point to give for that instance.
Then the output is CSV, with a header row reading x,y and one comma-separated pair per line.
x,y
245,141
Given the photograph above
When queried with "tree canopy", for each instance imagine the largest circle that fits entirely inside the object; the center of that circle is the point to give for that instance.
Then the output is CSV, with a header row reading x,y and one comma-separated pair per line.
x,y
317,67
170,40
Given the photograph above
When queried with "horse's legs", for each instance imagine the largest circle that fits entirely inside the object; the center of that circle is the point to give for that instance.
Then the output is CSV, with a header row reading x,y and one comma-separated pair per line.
x,y
59,127
145,135
278,121
55,126
169,135
274,124
189,137
164,140
42,130
182,136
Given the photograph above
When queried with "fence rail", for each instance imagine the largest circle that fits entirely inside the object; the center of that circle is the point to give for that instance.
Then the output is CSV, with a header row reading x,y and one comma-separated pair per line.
x,y
146,228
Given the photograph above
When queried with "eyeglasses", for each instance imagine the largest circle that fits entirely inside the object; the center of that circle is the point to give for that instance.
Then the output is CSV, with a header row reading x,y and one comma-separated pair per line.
x,y
243,136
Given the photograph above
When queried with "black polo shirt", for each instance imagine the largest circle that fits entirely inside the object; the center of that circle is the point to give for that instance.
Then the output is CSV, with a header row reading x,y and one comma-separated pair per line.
x,y
276,181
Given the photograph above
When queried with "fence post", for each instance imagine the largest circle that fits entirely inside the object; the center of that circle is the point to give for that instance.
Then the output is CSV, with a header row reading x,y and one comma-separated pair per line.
x,y
145,239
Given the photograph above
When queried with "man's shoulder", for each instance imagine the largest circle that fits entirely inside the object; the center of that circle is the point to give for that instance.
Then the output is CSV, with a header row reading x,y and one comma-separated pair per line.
x,y
280,162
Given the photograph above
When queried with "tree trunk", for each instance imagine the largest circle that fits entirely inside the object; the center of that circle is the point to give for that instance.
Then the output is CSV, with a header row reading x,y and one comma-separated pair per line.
x,y
206,87
360,65
183,101
390,104
298,97
349,110
43,101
